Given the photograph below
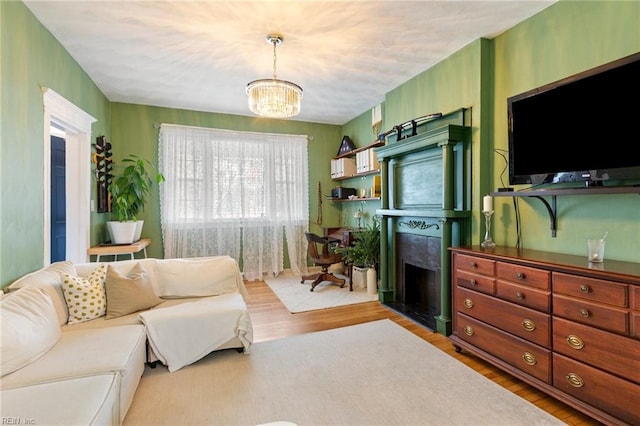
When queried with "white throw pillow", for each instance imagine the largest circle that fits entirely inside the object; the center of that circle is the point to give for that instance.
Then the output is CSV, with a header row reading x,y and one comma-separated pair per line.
x,y
29,327
85,297
197,276
50,279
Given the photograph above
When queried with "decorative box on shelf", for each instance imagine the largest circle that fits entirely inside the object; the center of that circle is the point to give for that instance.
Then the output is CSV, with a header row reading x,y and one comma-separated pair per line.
x,y
366,161
343,167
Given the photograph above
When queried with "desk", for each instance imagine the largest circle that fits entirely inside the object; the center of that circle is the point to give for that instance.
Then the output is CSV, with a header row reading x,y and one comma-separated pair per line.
x,y
345,235
118,249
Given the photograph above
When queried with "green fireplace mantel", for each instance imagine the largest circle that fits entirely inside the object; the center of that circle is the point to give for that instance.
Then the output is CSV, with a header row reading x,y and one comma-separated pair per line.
x,y
425,179
423,141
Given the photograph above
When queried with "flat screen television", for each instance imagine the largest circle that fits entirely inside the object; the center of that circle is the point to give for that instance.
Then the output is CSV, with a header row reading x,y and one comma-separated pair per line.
x,y
583,128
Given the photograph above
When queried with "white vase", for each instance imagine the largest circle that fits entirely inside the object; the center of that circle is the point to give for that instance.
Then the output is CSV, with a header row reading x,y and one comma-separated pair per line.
x,y
121,232
359,277
372,281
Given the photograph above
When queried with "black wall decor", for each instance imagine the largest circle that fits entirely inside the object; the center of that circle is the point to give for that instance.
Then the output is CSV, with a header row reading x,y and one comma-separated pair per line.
x,y
104,165
346,146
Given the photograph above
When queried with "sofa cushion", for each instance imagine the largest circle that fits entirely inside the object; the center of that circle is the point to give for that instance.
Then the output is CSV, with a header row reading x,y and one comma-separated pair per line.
x,y
50,279
129,293
28,327
207,276
120,350
85,297
91,400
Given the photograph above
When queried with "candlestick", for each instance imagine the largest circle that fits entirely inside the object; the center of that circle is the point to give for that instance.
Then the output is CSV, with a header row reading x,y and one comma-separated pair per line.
x,y
487,243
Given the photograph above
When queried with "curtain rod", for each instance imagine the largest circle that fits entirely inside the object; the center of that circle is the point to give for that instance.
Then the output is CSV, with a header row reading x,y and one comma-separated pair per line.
x,y
157,126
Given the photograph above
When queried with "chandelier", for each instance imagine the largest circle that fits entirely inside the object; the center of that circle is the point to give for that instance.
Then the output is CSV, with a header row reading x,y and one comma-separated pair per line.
x,y
271,97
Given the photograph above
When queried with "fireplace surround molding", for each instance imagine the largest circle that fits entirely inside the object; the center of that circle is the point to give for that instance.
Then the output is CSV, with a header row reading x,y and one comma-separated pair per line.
x,y
425,182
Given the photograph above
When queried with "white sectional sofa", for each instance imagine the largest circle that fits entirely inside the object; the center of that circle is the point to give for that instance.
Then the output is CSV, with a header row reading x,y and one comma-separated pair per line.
x,y
60,367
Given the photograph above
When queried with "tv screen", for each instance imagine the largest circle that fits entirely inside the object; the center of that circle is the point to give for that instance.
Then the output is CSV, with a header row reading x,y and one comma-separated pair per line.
x,y
581,128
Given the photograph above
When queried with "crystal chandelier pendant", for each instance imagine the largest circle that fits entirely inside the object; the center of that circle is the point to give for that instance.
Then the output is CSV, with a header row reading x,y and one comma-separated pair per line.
x,y
272,97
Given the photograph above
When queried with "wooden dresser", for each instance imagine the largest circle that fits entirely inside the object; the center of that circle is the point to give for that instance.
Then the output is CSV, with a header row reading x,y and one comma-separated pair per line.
x,y
567,327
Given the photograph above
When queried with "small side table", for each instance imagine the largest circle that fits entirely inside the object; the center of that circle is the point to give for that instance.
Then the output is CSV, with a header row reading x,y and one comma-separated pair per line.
x,y
117,249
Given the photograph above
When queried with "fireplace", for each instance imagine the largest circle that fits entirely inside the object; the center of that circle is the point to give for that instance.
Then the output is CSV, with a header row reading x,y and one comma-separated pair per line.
x,y
418,278
425,179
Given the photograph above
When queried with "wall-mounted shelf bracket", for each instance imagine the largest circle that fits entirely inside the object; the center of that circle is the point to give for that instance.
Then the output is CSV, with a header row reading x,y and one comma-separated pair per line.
x,y
552,208
552,212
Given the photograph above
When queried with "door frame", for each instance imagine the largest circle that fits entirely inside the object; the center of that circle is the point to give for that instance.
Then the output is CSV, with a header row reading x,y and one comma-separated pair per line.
x,y
77,127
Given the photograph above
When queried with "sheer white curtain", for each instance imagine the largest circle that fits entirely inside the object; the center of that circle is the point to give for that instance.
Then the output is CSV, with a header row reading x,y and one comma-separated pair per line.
x,y
229,192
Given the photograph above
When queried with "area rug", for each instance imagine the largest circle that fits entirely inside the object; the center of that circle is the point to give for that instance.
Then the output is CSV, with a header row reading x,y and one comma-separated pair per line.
x,y
297,297
375,373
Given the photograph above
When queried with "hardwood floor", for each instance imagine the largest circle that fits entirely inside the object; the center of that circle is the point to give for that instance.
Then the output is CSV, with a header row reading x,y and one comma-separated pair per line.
x,y
271,320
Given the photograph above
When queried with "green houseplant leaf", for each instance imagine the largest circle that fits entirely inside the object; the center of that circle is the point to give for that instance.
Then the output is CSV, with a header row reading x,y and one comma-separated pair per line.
x,y
365,249
131,188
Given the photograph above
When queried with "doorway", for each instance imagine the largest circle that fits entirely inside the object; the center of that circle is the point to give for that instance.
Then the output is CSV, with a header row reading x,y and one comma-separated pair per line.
x,y
58,200
76,127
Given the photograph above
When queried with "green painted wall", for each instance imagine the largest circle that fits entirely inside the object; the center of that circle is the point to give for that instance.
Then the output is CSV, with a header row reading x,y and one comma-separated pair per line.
x,y
562,40
31,58
134,131
565,38
361,133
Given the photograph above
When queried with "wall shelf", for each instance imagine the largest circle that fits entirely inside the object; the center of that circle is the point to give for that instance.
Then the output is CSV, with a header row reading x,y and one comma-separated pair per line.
x,y
346,200
355,151
370,172
553,193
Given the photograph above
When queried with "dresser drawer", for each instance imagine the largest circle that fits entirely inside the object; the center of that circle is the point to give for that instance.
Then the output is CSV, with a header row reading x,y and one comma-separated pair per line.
x,y
597,348
525,296
475,264
611,394
634,292
476,282
635,297
635,325
524,275
531,325
595,290
527,357
594,314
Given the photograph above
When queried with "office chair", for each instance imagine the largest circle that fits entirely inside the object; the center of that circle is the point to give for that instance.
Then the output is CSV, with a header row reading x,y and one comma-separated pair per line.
x,y
321,255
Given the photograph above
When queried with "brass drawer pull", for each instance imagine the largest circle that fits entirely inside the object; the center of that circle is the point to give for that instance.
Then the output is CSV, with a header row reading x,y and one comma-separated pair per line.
x,y
584,313
528,358
468,303
575,342
519,296
574,380
585,288
528,325
473,282
468,330
520,276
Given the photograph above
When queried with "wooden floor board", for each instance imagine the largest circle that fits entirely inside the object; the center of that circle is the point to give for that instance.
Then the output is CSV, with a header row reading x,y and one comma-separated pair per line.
x,y
271,320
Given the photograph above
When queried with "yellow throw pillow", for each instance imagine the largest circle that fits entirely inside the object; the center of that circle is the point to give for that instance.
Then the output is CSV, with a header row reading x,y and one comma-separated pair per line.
x,y
85,297
130,293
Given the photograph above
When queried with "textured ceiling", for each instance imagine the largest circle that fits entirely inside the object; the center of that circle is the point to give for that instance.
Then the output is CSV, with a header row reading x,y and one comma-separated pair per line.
x,y
199,55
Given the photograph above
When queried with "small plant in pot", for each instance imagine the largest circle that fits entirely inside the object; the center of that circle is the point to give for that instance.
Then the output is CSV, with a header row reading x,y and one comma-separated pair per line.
x,y
129,192
364,252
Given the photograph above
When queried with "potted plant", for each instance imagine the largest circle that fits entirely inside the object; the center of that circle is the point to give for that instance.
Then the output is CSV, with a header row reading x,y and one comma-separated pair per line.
x,y
129,191
364,253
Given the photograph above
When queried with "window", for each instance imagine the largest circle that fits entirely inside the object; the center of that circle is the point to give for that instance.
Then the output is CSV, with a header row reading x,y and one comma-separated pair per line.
x,y
228,190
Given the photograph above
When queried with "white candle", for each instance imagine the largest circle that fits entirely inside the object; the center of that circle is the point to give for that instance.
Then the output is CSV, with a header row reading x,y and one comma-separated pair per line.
x,y
487,203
